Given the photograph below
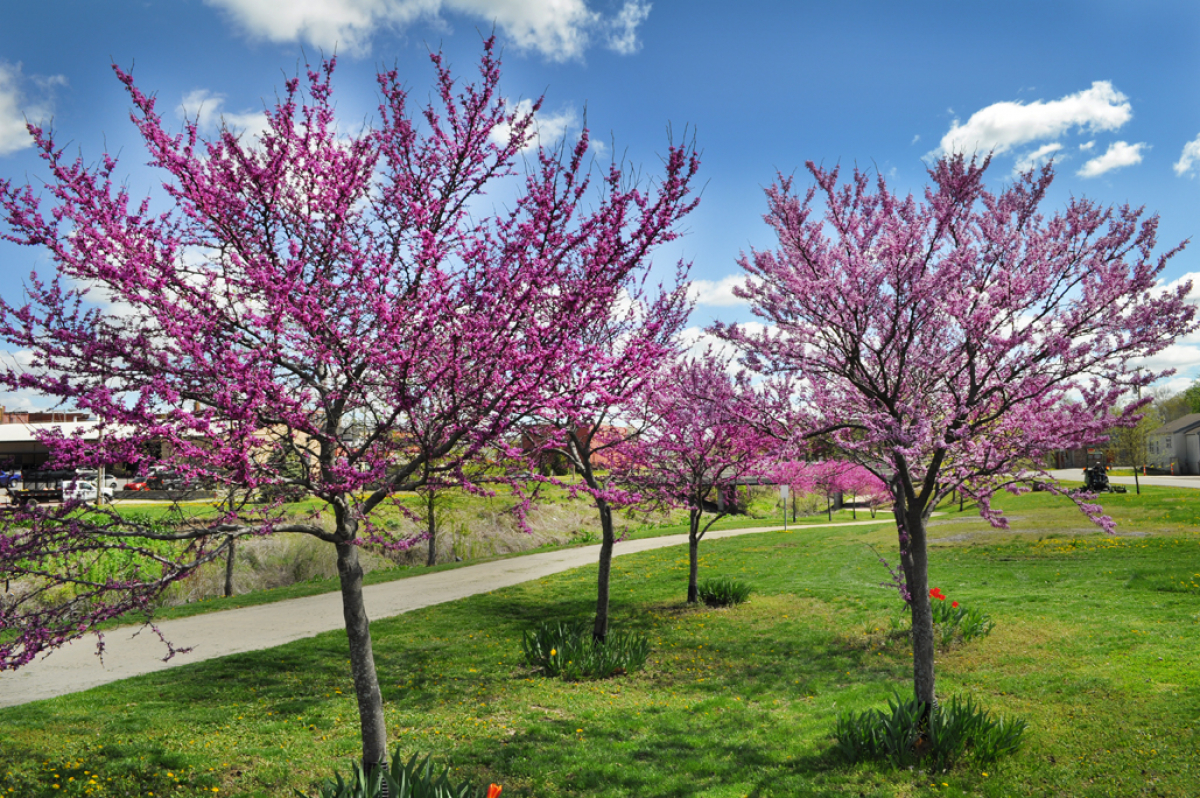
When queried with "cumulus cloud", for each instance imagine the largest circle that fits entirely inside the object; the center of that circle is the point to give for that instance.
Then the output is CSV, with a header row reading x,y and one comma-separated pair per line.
x,y
1003,126
698,340
1035,158
1193,295
718,293
547,128
1184,354
1119,154
204,107
559,29
18,106
623,37
1189,158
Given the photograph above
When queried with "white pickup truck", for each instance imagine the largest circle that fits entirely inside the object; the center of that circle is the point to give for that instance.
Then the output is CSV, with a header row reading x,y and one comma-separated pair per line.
x,y
80,490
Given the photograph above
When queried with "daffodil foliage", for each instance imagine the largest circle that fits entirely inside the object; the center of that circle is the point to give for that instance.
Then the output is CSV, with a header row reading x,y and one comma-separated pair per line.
x,y
951,342
346,297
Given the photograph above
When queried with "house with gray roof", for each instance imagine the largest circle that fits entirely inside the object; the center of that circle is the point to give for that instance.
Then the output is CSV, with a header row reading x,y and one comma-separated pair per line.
x,y
1176,445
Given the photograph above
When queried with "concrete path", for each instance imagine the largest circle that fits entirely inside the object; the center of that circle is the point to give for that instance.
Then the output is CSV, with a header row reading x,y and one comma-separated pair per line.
x,y
131,651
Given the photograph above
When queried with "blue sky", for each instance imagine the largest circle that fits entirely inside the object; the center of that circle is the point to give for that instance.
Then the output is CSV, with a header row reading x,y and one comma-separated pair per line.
x,y
1110,89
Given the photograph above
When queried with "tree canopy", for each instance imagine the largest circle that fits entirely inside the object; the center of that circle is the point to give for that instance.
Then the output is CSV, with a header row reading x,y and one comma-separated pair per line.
x,y
342,299
950,342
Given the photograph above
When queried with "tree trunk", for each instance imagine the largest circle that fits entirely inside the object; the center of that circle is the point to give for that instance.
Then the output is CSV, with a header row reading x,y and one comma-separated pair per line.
x,y
917,575
432,530
229,568
1137,485
362,659
600,629
694,556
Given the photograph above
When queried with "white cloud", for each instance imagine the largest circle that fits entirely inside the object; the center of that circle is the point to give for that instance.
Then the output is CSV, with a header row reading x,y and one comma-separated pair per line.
x,y
623,37
1002,126
1184,354
1034,159
547,128
697,340
1119,154
1172,386
719,293
559,29
1179,357
1087,146
916,138
1188,158
1193,295
16,106
204,107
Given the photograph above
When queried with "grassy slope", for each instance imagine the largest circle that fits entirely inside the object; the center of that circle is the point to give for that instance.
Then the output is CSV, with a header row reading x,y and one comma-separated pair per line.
x,y
1094,645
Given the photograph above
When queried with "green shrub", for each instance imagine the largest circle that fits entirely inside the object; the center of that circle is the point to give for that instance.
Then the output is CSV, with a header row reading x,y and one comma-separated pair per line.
x,y
567,649
410,779
953,619
905,737
723,591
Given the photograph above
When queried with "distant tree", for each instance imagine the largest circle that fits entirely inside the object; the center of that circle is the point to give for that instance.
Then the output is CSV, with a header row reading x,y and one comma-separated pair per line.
x,y
1171,406
859,483
1131,443
938,339
587,425
702,438
830,478
1191,395
343,295
796,476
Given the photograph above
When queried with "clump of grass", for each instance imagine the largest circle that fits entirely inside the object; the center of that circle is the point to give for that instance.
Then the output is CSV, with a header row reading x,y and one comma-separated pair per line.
x,y
568,650
953,620
723,591
411,779
908,735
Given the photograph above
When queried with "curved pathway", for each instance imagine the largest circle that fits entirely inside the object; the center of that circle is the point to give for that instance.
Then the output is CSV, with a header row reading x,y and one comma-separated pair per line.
x,y
131,651
1076,475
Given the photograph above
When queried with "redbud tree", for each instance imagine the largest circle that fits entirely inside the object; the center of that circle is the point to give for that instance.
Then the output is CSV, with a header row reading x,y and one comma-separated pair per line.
x,y
588,426
343,297
702,437
951,342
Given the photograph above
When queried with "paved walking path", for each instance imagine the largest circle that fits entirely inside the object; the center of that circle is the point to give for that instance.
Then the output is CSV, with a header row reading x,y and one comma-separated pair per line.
x,y
1076,475
131,651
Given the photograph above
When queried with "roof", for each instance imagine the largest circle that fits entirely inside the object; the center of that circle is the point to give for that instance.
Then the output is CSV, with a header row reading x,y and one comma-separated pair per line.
x,y
1185,424
29,433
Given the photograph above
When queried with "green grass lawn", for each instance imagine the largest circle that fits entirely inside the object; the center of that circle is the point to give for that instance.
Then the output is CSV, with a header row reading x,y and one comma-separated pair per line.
x,y
1095,645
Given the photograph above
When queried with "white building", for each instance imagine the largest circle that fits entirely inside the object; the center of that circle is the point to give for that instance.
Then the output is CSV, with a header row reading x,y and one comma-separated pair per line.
x,y
1176,446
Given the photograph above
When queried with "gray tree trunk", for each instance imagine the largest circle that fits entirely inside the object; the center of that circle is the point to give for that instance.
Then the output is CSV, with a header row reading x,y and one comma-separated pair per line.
x,y
916,573
693,595
229,568
600,628
432,530
362,658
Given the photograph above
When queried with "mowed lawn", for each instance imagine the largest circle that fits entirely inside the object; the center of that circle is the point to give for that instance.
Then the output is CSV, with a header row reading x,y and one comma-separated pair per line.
x,y
1096,645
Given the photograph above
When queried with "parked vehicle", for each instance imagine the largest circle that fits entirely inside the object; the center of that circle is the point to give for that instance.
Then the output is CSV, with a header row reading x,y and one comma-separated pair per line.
x,y
79,490
9,478
37,487
137,484
91,475
167,481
